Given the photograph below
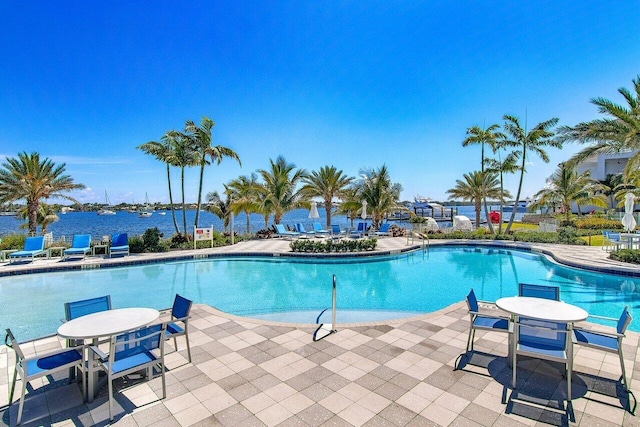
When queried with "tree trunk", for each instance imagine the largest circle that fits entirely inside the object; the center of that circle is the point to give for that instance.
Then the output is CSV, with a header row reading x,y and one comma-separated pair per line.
x,y
327,207
173,212
484,197
247,213
32,212
184,211
195,223
515,207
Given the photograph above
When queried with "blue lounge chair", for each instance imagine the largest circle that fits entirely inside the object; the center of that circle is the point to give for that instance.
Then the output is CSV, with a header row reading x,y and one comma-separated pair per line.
x,y
33,246
283,232
317,228
384,230
360,231
300,229
80,245
119,244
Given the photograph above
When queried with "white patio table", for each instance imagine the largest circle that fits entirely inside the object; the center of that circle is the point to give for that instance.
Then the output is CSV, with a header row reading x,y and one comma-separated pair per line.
x,y
103,324
630,239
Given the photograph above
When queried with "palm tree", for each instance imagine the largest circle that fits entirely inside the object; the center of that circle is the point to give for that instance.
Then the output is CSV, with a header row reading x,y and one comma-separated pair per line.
x,y
499,166
528,141
244,193
618,132
201,139
327,182
165,152
482,136
26,177
475,186
279,187
566,186
382,196
44,216
183,158
220,207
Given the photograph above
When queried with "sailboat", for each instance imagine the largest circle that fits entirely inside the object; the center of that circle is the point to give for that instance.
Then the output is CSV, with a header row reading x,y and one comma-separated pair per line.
x,y
146,210
107,209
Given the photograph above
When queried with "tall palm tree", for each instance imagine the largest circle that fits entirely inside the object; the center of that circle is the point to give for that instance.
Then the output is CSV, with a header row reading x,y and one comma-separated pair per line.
x,y
566,186
206,153
244,193
165,152
29,178
220,207
525,142
475,186
500,166
618,132
382,195
184,157
279,186
482,136
328,182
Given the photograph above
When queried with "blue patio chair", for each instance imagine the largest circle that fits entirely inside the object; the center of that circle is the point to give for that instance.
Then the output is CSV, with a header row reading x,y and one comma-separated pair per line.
x,y
75,309
610,342
179,324
42,365
80,245
383,230
542,342
317,228
119,244
484,321
300,229
611,240
131,352
360,231
33,247
539,291
283,232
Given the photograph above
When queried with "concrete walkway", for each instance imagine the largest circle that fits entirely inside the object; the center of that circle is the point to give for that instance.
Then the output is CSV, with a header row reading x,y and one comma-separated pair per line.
x,y
394,373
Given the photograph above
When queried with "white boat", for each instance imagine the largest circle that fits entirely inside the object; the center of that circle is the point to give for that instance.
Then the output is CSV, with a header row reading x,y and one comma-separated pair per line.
x,y
107,209
162,213
146,210
521,207
145,214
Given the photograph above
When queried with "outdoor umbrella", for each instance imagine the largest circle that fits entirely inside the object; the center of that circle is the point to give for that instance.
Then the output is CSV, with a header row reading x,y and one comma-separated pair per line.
x,y
313,212
363,215
628,221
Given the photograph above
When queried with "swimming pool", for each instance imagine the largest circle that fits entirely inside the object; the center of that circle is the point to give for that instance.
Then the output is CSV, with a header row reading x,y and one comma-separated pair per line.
x,y
297,289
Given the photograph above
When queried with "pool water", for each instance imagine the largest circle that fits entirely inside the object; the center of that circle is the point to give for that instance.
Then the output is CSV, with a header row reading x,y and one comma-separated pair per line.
x,y
297,289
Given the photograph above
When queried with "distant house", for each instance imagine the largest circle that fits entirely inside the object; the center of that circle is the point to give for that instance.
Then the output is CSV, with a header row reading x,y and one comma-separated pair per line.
x,y
605,164
600,166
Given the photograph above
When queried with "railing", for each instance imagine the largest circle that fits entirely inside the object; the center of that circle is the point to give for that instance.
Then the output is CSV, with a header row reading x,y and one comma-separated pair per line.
x,y
324,330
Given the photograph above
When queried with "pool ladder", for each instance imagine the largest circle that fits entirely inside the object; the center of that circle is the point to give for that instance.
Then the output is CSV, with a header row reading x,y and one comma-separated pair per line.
x,y
326,330
424,236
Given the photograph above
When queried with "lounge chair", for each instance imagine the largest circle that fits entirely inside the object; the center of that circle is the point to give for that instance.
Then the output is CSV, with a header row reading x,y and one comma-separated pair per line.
x,y
283,232
383,230
300,229
80,246
119,244
33,247
359,232
317,228
337,232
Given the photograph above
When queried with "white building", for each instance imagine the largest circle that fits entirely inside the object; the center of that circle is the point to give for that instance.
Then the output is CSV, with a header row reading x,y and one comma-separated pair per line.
x,y
605,164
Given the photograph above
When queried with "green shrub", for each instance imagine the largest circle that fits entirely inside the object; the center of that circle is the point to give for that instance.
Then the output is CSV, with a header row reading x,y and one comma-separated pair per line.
x,y
12,241
328,246
136,244
535,237
569,236
626,255
593,223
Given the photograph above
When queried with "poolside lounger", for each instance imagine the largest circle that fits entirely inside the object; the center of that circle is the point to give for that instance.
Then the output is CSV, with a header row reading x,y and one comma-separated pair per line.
x,y
384,230
336,232
80,245
360,231
119,244
300,229
283,232
33,246
317,228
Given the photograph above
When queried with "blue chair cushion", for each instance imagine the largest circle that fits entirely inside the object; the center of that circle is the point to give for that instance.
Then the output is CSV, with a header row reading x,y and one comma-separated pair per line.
x,y
491,323
48,363
173,328
595,339
34,243
131,360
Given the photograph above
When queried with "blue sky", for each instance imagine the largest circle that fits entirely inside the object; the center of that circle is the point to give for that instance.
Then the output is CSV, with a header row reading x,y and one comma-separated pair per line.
x,y
351,84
